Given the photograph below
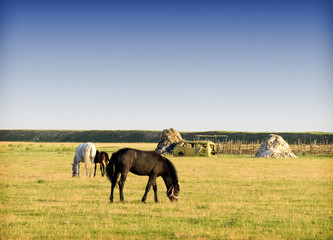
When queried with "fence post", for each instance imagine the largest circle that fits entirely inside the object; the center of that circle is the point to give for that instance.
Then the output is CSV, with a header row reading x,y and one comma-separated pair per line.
x,y
252,149
240,148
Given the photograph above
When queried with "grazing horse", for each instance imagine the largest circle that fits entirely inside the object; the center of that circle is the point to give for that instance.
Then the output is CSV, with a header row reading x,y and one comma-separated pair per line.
x,y
144,163
85,152
102,158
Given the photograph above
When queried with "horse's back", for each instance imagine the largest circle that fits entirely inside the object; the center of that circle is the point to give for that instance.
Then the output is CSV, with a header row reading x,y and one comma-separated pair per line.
x,y
85,150
105,157
139,155
101,157
91,149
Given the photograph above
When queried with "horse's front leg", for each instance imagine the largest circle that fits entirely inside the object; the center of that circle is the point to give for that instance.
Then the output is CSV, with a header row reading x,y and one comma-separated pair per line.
x,y
91,165
151,181
95,170
155,192
87,170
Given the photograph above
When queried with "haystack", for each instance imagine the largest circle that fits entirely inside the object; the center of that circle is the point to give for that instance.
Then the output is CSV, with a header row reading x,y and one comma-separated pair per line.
x,y
169,137
275,147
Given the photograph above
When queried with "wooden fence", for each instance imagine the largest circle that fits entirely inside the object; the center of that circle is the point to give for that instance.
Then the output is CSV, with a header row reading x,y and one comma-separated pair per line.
x,y
299,148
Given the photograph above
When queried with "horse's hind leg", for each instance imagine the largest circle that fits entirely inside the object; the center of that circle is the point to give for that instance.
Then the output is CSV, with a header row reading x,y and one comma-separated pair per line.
x,y
113,185
105,165
88,169
102,168
151,181
95,170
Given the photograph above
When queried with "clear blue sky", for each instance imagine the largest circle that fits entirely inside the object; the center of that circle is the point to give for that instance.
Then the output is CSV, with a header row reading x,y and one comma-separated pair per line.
x,y
191,65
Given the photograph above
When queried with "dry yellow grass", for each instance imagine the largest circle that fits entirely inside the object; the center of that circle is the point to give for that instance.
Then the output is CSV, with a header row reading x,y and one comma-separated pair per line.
x,y
228,197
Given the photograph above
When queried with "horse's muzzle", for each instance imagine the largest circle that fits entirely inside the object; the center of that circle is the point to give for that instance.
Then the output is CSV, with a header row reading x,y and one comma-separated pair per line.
x,y
172,195
173,199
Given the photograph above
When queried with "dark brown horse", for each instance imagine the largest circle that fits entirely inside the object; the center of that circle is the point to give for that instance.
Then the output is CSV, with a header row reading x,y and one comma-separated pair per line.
x,y
142,163
102,158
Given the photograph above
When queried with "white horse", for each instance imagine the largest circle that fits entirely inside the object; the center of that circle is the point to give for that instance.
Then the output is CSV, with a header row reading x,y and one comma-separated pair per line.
x,y
85,152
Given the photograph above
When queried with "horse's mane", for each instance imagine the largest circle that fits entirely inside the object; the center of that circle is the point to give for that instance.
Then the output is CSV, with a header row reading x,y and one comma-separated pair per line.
x,y
172,169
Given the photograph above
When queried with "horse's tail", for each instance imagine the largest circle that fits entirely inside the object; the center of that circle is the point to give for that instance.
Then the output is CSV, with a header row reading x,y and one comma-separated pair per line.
x,y
110,168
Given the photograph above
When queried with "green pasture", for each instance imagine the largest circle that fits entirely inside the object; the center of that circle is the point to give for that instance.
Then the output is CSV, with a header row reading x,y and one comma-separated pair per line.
x,y
227,197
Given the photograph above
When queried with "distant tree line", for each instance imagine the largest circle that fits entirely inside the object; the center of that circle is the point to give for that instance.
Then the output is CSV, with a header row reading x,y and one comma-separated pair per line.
x,y
149,136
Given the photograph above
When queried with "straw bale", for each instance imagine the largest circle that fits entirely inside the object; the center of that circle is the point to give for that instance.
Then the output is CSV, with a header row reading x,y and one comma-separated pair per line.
x,y
168,138
275,147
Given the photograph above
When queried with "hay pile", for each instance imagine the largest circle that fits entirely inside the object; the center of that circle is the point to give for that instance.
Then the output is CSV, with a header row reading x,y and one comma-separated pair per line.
x,y
168,139
275,147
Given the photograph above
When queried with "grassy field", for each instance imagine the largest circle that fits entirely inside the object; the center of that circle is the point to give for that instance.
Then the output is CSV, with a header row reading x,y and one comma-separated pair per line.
x,y
228,197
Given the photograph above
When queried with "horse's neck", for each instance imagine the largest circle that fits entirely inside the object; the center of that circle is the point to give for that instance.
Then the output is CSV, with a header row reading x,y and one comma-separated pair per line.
x,y
168,180
76,160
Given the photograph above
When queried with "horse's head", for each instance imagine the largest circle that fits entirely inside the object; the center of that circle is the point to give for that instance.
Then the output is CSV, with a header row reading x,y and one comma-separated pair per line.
x,y
76,170
173,191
